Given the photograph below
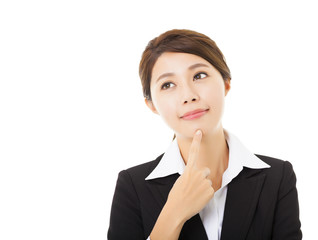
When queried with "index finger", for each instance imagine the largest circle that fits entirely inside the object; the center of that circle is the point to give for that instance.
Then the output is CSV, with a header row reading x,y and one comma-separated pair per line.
x,y
194,148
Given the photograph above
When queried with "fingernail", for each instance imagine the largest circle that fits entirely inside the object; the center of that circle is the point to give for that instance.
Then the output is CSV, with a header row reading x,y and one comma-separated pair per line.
x,y
198,132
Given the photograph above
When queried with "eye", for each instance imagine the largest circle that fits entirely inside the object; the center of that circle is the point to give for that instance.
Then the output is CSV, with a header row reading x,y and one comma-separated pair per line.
x,y
200,75
166,85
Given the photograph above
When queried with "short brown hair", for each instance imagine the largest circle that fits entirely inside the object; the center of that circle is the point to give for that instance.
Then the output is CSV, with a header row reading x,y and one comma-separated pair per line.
x,y
184,41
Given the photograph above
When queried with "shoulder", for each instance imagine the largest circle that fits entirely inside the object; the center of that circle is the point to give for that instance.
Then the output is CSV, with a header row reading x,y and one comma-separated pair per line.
x,y
281,174
275,162
141,171
131,181
278,166
131,196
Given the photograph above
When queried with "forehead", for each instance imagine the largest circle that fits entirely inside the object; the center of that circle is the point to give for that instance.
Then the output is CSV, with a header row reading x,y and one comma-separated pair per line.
x,y
178,59
176,62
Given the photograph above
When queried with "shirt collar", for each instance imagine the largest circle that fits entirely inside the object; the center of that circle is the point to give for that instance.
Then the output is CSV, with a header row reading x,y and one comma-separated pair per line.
x,y
239,157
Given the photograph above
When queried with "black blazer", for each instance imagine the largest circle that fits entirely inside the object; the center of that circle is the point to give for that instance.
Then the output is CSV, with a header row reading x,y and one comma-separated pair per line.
x,y
260,204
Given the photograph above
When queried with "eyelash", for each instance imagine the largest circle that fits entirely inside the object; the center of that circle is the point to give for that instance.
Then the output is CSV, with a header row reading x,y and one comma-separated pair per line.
x,y
200,74
164,85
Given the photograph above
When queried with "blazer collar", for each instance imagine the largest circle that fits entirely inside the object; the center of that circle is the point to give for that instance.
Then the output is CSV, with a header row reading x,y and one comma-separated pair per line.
x,y
239,157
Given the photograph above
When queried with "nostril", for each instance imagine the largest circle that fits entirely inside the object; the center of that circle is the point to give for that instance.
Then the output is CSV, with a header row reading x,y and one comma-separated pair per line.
x,y
192,100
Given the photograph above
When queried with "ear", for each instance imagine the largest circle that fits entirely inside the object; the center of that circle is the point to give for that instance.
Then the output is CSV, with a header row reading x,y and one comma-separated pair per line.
x,y
150,105
227,84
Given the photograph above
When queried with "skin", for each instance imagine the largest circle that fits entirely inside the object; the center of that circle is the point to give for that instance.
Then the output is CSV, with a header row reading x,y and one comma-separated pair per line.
x,y
181,83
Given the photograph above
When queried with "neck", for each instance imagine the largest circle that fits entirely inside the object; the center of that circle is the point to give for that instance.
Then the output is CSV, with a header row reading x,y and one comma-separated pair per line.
x,y
213,154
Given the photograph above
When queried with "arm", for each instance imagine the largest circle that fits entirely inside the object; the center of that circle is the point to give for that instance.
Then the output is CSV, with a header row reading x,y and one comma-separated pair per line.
x,y
125,218
286,222
190,193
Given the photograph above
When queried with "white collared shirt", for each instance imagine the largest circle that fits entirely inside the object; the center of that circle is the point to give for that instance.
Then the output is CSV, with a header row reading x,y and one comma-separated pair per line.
x,y
239,157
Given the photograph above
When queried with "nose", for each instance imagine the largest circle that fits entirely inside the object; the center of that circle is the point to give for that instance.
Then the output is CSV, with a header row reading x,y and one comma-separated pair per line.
x,y
189,95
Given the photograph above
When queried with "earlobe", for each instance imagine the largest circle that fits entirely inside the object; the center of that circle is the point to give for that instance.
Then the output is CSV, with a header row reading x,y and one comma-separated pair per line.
x,y
150,105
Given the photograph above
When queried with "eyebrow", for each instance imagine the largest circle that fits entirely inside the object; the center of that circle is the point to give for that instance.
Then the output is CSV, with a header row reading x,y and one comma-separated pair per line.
x,y
189,68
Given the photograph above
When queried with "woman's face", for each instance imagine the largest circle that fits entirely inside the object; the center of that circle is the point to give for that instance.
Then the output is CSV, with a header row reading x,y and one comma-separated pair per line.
x,y
188,93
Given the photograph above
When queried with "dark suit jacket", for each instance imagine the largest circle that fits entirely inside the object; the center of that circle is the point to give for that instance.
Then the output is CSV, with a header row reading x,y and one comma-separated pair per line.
x,y
260,204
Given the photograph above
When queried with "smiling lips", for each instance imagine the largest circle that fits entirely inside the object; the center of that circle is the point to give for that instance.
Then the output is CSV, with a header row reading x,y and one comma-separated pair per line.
x,y
194,114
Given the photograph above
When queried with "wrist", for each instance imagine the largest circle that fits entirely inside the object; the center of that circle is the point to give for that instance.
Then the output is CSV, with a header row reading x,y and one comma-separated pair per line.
x,y
174,214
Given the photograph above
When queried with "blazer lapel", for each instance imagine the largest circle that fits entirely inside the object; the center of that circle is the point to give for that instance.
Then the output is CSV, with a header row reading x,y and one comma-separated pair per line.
x,y
160,188
193,229
241,202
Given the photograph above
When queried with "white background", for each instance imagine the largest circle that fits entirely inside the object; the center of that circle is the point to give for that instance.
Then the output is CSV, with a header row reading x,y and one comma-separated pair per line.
x,y
72,113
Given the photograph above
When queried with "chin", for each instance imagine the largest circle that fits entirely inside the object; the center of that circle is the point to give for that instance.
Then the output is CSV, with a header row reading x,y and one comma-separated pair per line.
x,y
189,133
206,130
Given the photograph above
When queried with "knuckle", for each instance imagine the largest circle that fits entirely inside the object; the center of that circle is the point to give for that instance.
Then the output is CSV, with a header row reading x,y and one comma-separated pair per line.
x,y
209,182
205,172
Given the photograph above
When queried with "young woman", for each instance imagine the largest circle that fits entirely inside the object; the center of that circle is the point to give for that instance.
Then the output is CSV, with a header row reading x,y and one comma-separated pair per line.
x,y
207,185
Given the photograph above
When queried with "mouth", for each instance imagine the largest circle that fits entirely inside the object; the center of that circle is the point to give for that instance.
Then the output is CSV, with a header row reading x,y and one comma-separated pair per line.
x,y
194,114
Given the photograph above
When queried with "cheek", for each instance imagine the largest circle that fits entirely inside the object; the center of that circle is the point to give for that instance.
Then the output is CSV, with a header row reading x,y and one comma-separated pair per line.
x,y
167,109
214,97
163,105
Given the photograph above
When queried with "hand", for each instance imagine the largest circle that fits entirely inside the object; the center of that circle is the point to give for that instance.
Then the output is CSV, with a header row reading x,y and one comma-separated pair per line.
x,y
188,196
192,190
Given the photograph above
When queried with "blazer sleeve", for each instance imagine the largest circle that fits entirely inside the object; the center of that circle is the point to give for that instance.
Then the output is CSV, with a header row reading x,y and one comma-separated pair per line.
x,y
286,220
125,218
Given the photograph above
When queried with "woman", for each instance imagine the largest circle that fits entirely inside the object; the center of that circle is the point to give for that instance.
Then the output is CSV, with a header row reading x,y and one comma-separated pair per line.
x,y
207,185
